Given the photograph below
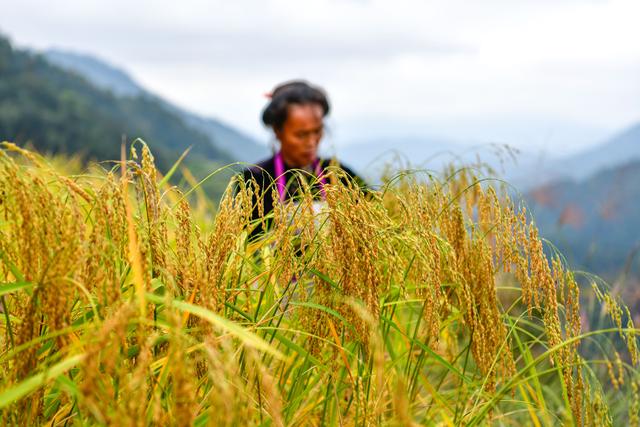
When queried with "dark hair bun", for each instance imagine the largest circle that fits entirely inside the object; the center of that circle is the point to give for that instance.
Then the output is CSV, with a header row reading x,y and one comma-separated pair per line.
x,y
293,92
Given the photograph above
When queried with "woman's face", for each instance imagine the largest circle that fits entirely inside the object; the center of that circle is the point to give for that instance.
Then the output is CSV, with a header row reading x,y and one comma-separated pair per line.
x,y
301,134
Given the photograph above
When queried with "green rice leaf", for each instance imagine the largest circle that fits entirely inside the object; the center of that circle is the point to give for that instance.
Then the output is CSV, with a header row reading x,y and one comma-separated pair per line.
x,y
8,288
22,389
248,338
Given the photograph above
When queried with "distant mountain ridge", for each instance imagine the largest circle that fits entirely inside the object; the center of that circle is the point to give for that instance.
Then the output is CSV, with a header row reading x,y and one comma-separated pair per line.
x,y
620,149
96,71
241,146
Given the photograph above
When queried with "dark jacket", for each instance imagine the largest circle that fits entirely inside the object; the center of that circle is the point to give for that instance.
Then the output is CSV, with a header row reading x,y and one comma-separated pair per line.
x,y
264,174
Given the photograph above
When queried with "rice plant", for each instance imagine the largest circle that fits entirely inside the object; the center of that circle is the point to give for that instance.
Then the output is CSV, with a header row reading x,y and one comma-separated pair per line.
x,y
430,301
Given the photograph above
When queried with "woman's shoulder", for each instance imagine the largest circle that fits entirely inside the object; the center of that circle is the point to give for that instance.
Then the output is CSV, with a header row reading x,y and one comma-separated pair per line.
x,y
261,169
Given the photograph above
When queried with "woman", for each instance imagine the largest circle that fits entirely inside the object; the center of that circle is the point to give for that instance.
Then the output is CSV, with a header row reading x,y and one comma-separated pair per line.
x,y
295,113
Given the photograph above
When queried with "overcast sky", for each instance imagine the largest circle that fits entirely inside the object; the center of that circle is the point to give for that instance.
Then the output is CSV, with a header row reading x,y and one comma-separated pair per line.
x,y
536,73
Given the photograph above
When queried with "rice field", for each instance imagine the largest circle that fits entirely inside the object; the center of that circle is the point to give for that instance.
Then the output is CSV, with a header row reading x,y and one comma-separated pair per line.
x,y
429,301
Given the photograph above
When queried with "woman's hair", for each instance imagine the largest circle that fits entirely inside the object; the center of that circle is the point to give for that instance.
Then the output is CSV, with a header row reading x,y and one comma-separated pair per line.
x,y
293,92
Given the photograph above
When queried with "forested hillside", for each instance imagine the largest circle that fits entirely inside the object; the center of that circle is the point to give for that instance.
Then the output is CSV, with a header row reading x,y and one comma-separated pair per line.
x,y
58,111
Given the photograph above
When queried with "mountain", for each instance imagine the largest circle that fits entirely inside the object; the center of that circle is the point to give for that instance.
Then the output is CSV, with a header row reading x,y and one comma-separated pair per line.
x,y
97,72
239,145
619,149
595,222
242,147
58,111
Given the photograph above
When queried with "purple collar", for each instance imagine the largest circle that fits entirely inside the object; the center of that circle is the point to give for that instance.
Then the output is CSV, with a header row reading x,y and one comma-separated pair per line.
x,y
281,180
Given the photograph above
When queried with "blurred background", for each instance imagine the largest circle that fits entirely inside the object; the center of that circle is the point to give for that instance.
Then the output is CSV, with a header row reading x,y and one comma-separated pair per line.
x,y
427,82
